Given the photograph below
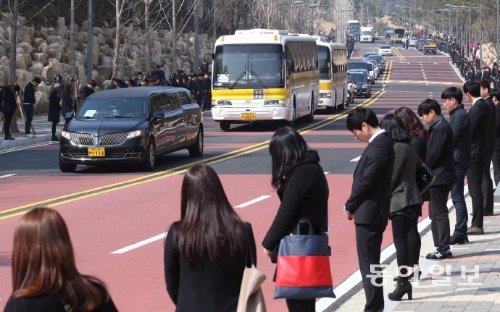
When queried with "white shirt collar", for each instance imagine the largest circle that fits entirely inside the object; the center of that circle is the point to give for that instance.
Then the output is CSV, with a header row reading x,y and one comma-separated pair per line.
x,y
475,100
376,134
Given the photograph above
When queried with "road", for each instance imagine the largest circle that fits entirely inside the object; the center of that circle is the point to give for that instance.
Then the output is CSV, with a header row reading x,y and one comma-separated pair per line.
x,y
118,217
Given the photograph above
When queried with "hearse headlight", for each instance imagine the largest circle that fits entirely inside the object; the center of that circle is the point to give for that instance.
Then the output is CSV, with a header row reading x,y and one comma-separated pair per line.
x,y
134,134
66,135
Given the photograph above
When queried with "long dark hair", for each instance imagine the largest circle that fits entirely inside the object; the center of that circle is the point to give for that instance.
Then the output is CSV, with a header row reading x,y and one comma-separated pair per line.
x,y
412,123
43,262
395,128
287,147
208,221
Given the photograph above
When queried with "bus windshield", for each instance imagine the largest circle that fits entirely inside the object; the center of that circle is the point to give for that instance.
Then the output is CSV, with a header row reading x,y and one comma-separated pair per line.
x,y
248,66
324,62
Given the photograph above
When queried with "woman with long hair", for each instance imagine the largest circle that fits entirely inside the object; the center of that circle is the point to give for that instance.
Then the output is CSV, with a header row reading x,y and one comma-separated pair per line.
x,y
68,104
415,128
205,251
44,274
55,110
303,190
418,141
406,203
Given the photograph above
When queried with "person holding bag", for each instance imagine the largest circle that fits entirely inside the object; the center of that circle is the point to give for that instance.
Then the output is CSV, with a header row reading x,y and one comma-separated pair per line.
x,y
303,190
406,203
205,251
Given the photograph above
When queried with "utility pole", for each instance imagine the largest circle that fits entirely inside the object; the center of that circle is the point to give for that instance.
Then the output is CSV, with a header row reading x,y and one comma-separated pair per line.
x,y
13,42
196,36
146,29
72,37
90,41
174,37
214,34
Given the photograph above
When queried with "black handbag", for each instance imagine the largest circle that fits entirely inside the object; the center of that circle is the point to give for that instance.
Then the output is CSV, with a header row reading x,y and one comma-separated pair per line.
x,y
424,176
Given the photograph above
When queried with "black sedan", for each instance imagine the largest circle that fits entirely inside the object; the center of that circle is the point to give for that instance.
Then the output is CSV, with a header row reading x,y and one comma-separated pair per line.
x,y
132,125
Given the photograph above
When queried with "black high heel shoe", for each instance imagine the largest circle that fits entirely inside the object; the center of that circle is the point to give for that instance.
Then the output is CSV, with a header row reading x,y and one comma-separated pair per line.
x,y
403,287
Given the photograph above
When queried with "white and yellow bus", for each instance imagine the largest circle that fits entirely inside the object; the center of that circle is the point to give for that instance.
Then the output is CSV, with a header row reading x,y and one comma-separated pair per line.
x,y
263,74
332,65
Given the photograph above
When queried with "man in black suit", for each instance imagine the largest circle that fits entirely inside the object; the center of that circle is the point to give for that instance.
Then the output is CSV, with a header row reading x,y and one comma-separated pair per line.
x,y
459,122
9,107
487,185
495,96
480,129
439,158
369,202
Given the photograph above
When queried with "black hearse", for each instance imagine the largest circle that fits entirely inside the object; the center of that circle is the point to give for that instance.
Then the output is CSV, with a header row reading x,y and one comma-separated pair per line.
x,y
132,125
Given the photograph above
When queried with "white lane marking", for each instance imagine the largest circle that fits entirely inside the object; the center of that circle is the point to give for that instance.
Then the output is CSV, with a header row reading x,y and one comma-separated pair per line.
x,y
326,172
140,244
355,278
15,149
7,175
356,159
253,201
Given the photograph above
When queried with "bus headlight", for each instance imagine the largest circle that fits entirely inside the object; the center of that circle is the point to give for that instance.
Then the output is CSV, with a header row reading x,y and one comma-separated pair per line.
x,y
326,95
273,102
224,102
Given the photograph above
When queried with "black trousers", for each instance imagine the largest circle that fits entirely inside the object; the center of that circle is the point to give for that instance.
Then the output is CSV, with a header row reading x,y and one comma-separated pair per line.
x,y
475,182
407,241
496,166
487,186
6,123
307,305
28,111
438,213
368,243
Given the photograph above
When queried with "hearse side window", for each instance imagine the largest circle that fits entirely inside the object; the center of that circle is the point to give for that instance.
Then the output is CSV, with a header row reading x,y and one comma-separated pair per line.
x,y
154,104
173,101
183,98
164,103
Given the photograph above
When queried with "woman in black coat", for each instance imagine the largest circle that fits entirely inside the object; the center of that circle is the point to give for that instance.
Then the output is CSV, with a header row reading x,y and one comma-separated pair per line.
x,y
55,110
68,105
205,251
406,202
303,190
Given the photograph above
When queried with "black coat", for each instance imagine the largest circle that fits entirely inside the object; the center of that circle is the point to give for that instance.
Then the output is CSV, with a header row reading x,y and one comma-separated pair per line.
x,y
68,106
440,152
304,195
493,119
460,125
419,145
480,129
54,107
9,101
497,128
371,187
29,94
405,191
52,303
205,285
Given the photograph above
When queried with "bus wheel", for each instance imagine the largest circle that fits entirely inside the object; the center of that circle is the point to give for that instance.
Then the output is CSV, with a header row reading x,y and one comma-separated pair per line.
x,y
225,125
310,118
292,122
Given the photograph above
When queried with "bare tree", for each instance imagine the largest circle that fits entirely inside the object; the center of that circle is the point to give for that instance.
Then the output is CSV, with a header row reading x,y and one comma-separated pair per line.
x,y
13,41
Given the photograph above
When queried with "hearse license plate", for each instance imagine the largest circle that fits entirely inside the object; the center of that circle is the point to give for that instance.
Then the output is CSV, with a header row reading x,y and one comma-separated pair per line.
x,y
248,116
96,152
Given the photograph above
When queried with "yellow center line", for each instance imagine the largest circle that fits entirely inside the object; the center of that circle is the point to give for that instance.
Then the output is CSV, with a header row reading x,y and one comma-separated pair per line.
x,y
60,200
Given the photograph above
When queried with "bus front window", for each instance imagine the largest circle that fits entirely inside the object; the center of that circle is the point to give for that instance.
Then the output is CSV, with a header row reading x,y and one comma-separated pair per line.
x,y
246,66
324,63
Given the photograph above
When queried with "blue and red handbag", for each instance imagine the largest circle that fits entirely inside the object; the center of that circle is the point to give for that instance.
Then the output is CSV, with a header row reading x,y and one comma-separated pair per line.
x,y
303,267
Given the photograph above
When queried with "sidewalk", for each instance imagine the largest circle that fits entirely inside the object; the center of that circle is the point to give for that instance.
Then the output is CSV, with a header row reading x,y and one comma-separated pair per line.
x,y
43,133
470,281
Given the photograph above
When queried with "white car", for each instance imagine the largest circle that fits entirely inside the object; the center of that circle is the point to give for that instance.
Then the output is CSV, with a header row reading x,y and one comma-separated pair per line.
x,y
385,50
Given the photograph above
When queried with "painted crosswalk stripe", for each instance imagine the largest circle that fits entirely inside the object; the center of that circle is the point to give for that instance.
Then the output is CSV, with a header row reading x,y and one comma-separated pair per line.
x,y
253,201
